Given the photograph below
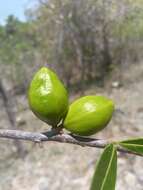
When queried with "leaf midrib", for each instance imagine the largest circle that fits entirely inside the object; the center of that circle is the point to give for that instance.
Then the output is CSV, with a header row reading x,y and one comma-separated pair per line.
x,y
108,168
128,144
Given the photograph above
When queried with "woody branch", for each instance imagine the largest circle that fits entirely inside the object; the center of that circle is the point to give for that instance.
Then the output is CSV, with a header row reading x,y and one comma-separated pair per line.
x,y
61,138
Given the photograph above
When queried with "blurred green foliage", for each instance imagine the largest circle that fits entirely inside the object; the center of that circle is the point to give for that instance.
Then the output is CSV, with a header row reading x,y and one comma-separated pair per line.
x,y
84,40
15,40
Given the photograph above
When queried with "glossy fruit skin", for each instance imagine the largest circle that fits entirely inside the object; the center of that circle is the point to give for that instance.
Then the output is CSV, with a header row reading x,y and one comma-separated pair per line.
x,y
47,97
88,115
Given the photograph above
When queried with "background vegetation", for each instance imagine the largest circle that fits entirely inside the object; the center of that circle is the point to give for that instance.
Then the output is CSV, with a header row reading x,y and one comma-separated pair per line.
x,y
84,41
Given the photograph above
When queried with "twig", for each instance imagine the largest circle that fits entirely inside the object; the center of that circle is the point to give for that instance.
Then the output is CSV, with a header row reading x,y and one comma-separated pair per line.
x,y
9,104
62,138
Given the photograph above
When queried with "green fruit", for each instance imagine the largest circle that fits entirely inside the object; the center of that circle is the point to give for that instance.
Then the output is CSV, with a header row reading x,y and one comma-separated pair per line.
x,y
88,115
47,97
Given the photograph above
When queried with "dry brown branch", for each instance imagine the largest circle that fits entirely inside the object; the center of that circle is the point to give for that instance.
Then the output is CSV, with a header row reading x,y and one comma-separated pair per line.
x,y
62,138
9,104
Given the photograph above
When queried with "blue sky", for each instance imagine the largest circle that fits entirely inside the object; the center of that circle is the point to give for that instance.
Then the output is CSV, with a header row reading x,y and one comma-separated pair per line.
x,y
15,7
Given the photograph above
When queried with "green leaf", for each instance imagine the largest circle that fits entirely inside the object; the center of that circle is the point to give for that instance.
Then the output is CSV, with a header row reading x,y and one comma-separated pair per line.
x,y
135,145
105,174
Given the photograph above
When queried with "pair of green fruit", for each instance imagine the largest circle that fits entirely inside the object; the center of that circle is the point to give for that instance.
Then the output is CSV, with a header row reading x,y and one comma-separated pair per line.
x,y
48,99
